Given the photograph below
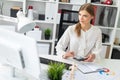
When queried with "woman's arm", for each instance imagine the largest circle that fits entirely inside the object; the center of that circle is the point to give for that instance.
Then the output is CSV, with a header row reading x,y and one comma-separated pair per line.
x,y
96,50
63,42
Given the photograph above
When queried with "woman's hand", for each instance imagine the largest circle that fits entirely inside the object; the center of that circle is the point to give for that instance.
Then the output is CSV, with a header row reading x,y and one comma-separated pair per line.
x,y
68,54
90,58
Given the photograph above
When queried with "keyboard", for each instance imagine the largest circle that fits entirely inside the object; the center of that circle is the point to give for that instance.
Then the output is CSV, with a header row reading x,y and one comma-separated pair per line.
x,y
89,67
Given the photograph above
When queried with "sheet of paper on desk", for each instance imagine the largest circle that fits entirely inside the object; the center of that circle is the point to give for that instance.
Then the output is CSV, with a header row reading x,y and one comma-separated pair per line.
x,y
89,67
77,76
104,76
117,76
93,76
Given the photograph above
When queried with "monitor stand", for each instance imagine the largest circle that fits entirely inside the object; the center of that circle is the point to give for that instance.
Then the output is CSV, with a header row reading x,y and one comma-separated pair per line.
x,y
8,73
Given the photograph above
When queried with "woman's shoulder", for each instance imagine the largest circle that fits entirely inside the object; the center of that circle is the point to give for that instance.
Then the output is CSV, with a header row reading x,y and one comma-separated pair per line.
x,y
71,27
97,28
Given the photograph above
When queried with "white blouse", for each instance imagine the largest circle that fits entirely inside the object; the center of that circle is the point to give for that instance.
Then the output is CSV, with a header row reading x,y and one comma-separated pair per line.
x,y
90,41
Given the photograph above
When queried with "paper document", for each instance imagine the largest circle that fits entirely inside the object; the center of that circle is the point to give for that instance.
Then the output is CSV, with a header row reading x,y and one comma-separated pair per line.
x,y
89,67
94,76
77,76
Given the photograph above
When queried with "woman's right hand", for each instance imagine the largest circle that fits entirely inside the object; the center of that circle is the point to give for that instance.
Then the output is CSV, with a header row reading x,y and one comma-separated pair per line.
x,y
68,54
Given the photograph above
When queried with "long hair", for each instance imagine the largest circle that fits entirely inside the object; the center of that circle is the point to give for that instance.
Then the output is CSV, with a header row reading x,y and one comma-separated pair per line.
x,y
90,9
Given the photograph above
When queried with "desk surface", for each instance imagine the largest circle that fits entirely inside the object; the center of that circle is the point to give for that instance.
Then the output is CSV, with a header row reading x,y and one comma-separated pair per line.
x,y
111,64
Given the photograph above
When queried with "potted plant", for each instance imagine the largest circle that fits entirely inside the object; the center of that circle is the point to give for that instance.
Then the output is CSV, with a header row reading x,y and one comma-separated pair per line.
x,y
47,33
55,71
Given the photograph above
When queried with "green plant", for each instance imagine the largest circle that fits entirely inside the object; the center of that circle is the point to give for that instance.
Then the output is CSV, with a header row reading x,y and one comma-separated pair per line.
x,y
47,32
55,71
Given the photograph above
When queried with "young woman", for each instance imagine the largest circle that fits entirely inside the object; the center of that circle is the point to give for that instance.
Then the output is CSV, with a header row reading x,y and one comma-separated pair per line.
x,y
82,39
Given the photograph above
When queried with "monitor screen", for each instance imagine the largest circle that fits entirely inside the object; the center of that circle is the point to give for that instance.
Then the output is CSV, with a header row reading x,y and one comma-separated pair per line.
x,y
21,52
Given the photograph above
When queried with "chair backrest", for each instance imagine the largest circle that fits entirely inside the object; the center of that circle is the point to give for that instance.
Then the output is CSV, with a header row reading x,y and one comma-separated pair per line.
x,y
105,51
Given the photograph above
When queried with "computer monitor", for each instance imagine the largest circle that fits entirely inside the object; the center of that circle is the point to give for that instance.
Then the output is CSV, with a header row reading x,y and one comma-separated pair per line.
x,y
19,51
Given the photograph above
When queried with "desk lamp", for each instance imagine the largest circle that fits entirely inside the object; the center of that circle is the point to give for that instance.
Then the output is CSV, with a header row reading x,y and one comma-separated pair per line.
x,y
24,24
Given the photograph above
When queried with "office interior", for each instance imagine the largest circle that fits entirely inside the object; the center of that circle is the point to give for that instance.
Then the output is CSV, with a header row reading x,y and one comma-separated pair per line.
x,y
52,17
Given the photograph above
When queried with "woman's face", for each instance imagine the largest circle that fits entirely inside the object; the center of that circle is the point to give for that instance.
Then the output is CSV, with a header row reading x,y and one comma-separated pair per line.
x,y
84,17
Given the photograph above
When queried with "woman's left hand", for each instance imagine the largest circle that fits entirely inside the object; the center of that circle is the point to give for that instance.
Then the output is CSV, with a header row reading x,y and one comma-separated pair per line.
x,y
90,58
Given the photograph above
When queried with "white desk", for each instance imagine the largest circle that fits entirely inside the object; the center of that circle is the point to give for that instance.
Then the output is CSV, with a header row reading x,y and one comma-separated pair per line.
x,y
6,73
111,64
